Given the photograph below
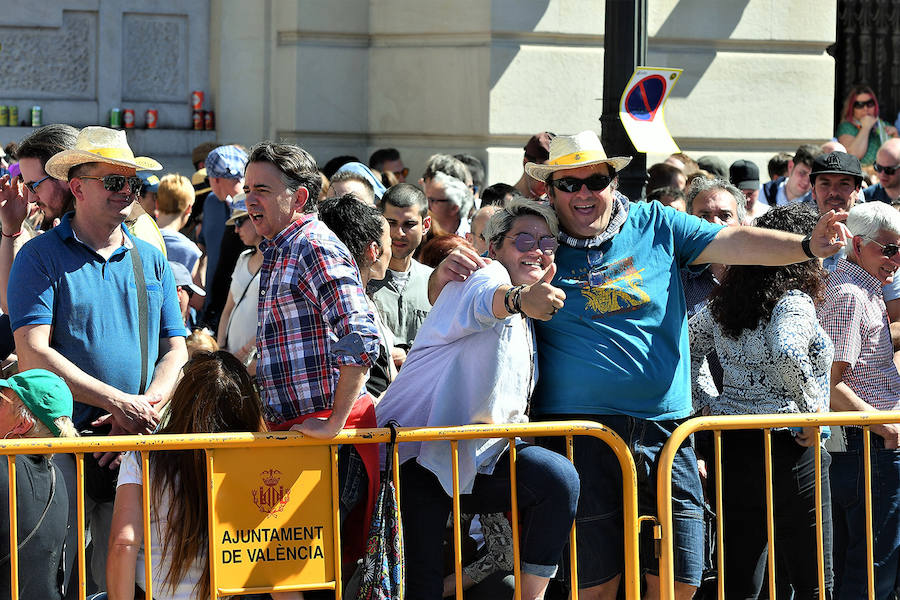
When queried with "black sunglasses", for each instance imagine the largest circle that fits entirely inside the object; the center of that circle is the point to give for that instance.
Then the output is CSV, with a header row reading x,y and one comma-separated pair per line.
x,y
870,103
886,170
525,242
887,250
114,183
595,183
239,221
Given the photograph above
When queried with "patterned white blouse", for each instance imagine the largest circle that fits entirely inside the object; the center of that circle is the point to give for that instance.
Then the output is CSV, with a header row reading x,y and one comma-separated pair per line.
x,y
782,366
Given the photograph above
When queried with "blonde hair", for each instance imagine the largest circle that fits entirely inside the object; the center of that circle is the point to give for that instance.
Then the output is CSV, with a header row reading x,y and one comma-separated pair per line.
x,y
174,195
201,340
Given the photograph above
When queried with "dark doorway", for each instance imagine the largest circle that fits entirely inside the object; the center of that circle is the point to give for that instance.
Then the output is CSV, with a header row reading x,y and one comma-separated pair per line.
x,y
867,50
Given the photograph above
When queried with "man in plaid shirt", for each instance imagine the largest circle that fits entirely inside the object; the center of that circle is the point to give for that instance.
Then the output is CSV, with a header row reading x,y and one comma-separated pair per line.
x,y
864,378
316,334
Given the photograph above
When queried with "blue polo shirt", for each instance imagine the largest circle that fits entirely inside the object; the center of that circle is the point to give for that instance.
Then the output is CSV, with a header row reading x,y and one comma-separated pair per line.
x,y
620,344
91,304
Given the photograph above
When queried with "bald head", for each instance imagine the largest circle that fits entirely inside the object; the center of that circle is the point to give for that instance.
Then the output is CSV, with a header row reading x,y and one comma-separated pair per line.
x,y
475,236
833,146
888,156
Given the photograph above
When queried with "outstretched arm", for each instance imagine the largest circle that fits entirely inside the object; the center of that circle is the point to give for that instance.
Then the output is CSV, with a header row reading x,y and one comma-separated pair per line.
x,y
758,246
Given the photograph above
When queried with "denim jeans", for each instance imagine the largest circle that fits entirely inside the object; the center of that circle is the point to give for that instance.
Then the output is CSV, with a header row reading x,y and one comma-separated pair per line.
x,y
744,519
547,489
847,484
600,524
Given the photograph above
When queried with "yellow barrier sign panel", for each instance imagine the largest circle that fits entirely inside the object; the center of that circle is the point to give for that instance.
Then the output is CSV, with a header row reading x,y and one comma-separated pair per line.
x,y
641,109
272,523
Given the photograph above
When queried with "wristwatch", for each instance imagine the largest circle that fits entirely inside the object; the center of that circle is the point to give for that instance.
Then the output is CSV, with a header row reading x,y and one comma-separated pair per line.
x,y
806,249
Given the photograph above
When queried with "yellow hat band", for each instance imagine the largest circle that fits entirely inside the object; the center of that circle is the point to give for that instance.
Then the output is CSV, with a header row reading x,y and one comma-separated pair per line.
x,y
579,157
113,153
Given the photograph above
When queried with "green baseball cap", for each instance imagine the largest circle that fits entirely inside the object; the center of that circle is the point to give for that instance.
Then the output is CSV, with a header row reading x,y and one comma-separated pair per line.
x,y
44,393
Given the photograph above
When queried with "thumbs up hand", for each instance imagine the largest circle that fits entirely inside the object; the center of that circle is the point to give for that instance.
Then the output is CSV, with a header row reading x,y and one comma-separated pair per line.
x,y
541,300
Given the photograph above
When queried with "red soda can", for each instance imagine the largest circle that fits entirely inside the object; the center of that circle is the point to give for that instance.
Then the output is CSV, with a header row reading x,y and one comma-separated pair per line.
x,y
197,100
198,120
151,117
129,118
209,120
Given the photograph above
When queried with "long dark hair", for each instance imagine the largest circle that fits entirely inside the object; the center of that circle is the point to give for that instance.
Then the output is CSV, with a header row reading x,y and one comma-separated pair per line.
x,y
749,293
215,395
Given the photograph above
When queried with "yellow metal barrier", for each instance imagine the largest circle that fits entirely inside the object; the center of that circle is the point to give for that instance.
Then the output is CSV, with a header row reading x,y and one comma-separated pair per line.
x,y
718,424
282,440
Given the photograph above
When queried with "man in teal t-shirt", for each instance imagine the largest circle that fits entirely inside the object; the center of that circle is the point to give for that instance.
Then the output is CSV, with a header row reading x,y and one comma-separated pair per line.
x,y
617,351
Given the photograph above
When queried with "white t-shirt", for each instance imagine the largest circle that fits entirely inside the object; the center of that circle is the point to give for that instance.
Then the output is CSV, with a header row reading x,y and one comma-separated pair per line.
x,y
242,324
465,367
130,472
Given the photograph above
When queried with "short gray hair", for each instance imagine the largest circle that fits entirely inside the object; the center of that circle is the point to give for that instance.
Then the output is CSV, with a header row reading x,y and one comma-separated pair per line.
x,y
702,184
457,192
501,222
870,218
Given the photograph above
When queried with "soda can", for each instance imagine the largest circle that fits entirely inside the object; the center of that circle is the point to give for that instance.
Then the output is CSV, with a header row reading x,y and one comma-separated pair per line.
x,y
36,116
151,117
13,116
4,115
209,120
129,118
197,100
115,118
198,120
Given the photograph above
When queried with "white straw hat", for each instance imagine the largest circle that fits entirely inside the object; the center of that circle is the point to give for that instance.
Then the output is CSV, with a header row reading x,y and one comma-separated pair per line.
x,y
98,144
573,151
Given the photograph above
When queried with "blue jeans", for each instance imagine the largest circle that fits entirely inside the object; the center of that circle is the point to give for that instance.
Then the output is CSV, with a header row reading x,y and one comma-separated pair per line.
x,y
547,488
600,525
848,508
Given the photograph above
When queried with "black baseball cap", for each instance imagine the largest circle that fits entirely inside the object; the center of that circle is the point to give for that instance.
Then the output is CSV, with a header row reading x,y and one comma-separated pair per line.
x,y
744,174
836,163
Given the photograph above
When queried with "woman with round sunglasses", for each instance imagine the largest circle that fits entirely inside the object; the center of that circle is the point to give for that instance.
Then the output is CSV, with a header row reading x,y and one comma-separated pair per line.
x,y
473,361
776,359
861,131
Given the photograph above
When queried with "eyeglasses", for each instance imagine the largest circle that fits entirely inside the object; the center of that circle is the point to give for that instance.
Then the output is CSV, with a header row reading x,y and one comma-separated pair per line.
x,y
33,185
887,250
886,170
870,103
525,242
595,183
239,221
402,173
114,183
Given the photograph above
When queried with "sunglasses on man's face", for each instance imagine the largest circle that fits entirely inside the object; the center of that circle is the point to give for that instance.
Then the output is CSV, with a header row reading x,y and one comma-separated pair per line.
x,y
402,173
33,185
525,242
594,183
240,221
114,183
887,250
870,103
886,170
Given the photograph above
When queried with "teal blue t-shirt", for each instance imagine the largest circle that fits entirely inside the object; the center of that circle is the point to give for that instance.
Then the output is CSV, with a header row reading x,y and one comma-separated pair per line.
x,y
620,343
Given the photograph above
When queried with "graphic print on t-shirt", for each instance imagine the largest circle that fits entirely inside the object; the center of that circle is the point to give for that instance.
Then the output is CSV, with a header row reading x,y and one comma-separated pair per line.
x,y
614,288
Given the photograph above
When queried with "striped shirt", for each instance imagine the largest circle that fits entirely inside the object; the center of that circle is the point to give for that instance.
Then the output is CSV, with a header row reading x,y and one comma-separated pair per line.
x,y
854,316
313,318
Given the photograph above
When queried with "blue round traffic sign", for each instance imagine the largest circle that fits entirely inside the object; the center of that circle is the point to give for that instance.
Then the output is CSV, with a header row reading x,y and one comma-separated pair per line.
x,y
645,98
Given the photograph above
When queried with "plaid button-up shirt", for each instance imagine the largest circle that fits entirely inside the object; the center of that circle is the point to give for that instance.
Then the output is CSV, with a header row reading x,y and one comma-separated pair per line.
x,y
855,317
313,318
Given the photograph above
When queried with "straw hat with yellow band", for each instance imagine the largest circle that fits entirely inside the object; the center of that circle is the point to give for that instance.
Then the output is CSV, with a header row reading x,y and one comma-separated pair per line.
x,y
573,151
98,144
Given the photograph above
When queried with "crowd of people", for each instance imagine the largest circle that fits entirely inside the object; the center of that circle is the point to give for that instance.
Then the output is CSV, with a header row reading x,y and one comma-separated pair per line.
x,y
263,293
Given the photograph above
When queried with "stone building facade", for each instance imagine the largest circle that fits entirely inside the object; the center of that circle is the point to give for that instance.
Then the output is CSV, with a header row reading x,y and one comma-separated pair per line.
x,y
477,76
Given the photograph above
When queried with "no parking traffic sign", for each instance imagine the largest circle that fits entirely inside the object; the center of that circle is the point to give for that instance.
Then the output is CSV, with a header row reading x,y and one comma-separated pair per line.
x,y
641,109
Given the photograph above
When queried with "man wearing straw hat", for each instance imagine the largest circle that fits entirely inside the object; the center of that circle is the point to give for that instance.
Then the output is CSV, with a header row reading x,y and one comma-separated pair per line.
x,y
77,310
617,352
